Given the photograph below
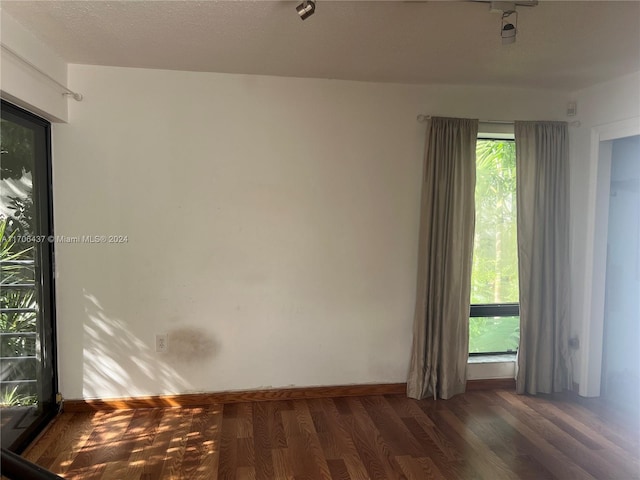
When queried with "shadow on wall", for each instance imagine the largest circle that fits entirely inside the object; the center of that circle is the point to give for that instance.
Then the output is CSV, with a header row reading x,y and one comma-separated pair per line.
x,y
119,364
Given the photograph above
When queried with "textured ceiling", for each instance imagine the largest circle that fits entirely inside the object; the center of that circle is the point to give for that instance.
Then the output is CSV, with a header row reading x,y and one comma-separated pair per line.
x,y
561,45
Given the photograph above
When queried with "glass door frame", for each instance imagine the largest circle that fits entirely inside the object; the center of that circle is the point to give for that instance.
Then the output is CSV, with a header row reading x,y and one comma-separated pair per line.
x,y
42,191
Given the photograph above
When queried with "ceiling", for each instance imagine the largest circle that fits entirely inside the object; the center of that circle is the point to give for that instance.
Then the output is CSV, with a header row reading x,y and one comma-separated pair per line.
x,y
560,45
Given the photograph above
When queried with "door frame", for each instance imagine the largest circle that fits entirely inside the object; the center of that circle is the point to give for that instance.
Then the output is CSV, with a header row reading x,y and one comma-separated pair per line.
x,y
602,137
43,203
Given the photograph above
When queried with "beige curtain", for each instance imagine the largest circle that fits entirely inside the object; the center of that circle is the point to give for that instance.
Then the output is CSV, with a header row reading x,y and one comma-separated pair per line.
x,y
542,166
440,350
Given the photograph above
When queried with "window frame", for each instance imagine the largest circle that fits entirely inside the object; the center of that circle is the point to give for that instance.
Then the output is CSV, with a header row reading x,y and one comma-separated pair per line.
x,y
507,309
47,381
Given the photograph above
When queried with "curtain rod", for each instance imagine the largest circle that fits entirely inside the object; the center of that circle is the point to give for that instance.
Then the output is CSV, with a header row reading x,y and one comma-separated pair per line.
x,y
424,118
75,95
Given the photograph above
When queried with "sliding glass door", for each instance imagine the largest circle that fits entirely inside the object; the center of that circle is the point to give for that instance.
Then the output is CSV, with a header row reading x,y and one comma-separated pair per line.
x,y
27,324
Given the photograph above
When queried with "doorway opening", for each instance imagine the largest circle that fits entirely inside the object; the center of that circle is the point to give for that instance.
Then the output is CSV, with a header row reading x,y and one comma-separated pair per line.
x,y
28,382
620,383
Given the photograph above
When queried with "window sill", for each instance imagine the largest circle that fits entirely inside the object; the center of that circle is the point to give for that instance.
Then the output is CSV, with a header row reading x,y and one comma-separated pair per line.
x,y
485,367
492,358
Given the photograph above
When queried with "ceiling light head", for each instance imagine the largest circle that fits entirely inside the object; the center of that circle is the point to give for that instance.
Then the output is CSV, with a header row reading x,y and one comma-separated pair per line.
x,y
508,33
306,9
509,30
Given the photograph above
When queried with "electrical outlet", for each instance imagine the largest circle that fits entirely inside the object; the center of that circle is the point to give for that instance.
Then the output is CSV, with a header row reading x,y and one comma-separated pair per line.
x,y
162,342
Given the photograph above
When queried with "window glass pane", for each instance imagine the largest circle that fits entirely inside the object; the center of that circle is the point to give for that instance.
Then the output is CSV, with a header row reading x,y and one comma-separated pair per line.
x,y
27,350
18,296
494,334
494,277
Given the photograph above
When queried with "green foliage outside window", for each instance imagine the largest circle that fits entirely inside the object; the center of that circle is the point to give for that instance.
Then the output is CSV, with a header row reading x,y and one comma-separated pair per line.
x,y
18,318
494,277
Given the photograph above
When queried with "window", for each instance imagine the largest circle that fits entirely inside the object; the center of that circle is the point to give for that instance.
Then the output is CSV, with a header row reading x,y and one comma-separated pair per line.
x,y
494,326
27,349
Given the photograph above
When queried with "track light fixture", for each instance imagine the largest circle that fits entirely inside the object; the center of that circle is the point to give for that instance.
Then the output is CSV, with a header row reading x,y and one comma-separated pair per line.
x,y
509,27
306,9
509,30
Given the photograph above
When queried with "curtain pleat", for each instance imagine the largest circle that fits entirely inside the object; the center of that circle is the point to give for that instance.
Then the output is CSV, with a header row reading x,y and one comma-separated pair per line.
x,y
542,172
440,348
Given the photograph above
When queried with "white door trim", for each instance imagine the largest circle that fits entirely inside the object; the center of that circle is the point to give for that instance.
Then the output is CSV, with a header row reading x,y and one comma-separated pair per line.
x,y
596,248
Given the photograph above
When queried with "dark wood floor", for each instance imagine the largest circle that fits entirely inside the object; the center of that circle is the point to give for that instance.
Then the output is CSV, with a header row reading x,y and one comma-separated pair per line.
x,y
489,435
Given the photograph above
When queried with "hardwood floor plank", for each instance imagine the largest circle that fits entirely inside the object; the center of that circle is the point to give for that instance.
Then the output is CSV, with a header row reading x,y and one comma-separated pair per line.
x,y
202,452
506,442
245,441
331,447
266,418
244,414
338,470
319,421
390,426
415,469
439,438
246,473
597,465
355,467
142,432
303,416
342,405
35,450
560,465
298,458
583,426
102,446
117,468
275,428
375,453
627,441
446,458
282,468
587,439
337,429
59,457
156,455
305,452
409,408
430,469
487,463
483,435
246,452
177,446
228,446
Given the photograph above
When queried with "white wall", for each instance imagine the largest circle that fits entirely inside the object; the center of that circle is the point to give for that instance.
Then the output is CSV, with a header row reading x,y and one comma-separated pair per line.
x,y
598,106
272,227
19,83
